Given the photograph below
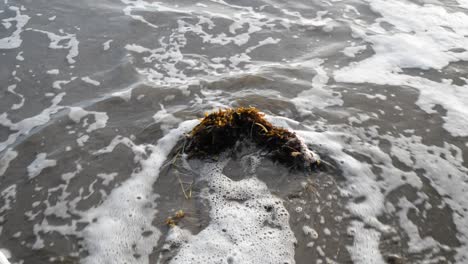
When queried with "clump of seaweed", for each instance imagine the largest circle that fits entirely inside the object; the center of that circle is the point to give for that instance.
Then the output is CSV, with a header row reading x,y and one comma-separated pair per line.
x,y
221,130
175,219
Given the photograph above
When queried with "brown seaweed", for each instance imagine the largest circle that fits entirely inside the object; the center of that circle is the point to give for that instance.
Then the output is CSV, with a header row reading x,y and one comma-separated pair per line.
x,y
175,219
221,130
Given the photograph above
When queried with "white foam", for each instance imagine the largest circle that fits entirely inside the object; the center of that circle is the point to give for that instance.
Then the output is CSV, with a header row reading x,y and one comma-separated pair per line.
x,y
442,166
139,5
106,45
318,21
70,175
353,50
164,62
447,176
139,151
126,94
8,195
61,207
267,41
5,160
366,245
309,231
320,251
87,79
107,177
116,234
40,163
359,119
24,126
20,56
166,119
82,140
64,41
416,244
58,84
53,72
361,182
248,224
78,113
17,106
374,96
319,96
426,38
4,255
14,41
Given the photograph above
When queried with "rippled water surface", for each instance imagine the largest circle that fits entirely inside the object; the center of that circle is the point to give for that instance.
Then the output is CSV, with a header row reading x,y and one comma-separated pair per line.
x,y
96,95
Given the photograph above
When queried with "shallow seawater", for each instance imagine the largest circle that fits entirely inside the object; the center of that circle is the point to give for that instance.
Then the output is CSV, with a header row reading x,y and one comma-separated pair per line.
x,y
96,97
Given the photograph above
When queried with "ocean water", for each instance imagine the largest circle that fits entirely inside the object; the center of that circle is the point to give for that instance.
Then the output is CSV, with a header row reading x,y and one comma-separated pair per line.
x,y
96,96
